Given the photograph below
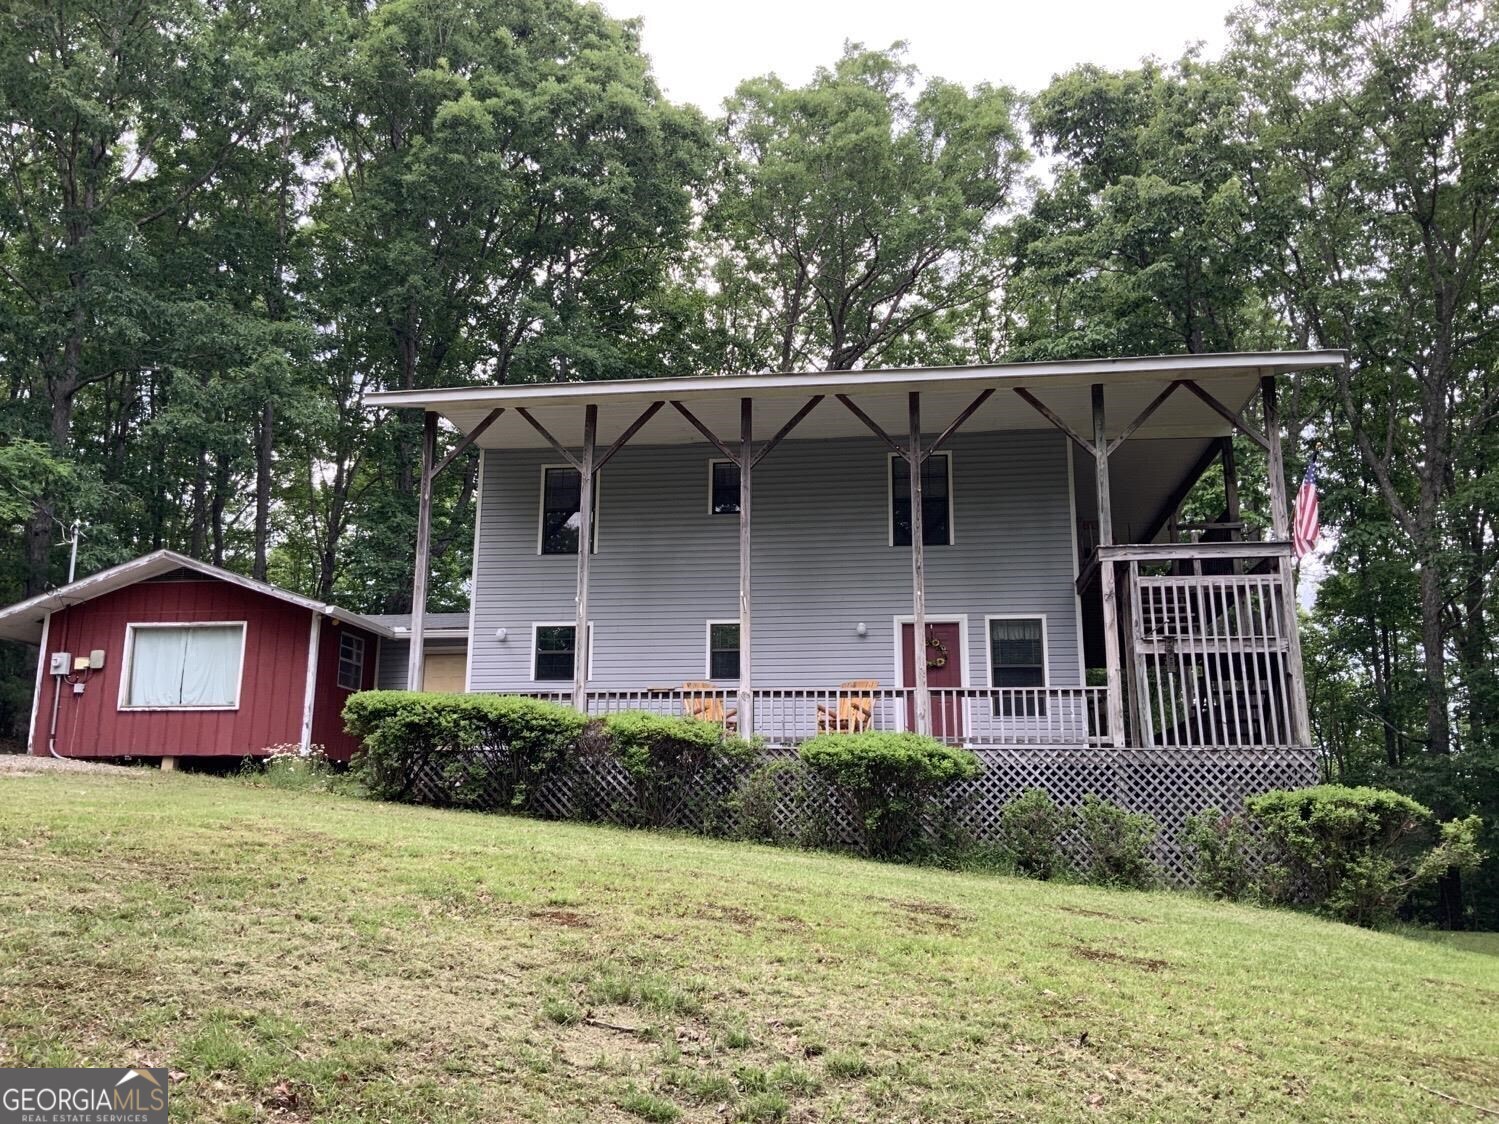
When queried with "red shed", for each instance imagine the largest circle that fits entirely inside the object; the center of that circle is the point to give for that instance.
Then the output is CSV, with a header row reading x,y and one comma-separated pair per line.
x,y
169,657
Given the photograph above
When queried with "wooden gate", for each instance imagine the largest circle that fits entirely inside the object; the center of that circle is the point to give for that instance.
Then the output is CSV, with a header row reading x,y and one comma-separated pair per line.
x,y
1208,659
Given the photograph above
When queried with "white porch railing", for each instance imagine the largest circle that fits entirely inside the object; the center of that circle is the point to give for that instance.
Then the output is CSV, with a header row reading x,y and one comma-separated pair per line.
x,y
976,716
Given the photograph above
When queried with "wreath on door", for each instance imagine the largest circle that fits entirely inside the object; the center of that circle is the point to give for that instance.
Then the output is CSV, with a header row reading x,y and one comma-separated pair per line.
x,y
934,644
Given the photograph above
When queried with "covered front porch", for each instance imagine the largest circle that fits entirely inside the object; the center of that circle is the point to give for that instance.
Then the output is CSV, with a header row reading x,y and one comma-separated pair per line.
x,y
1191,638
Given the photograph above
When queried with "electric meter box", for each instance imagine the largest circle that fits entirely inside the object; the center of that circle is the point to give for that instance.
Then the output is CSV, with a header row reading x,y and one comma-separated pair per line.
x,y
60,663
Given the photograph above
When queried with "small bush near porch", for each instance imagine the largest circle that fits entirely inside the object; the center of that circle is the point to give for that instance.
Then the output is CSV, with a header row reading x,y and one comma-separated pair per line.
x,y
297,956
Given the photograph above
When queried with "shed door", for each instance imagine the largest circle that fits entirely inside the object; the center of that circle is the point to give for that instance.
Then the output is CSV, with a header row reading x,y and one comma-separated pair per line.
x,y
944,668
444,672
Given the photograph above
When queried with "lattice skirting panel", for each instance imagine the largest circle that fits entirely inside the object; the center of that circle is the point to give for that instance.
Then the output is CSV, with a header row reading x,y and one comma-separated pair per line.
x,y
1167,784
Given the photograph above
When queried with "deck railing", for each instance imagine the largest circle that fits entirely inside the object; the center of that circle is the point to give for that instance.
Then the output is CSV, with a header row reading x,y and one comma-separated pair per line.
x,y
974,716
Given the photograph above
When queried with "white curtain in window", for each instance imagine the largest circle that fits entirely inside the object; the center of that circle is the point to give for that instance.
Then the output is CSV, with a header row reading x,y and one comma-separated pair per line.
x,y
186,666
210,675
156,666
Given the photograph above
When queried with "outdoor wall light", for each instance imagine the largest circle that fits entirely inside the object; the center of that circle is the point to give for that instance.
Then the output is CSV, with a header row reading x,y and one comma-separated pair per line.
x,y
501,633
861,629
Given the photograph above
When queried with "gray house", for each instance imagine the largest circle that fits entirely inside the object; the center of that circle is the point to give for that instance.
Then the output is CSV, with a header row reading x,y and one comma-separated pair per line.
x,y
990,554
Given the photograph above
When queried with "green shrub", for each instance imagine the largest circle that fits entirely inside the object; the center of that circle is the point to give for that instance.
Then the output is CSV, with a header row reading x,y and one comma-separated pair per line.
x,y
673,760
1030,829
1224,852
467,750
1118,844
1360,852
892,781
755,807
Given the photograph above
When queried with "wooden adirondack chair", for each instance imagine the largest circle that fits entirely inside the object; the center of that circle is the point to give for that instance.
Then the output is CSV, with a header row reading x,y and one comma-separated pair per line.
x,y
855,709
704,701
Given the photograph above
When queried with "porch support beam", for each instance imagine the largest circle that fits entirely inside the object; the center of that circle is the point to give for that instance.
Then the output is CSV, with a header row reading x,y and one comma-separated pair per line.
x,y
557,446
422,561
874,426
1233,419
1231,511
923,701
468,439
705,431
957,422
630,431
586,473
1106,571
780,434
1280,523
747,461
1144,415
1179,496
1052,416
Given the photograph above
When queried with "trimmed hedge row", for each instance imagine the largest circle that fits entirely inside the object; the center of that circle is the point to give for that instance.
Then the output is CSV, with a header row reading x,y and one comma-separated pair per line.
x,y
1354,853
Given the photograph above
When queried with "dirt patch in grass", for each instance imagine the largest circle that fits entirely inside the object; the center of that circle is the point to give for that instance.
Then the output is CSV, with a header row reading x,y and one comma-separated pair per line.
x,y
726,915
1109,956
564,917
1077,911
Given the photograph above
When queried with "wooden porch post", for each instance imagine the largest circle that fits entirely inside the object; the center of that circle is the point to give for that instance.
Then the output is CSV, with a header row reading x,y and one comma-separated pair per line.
x,y
1230,480
918,573
1106,575
1280,524
585,551
415,662
746,466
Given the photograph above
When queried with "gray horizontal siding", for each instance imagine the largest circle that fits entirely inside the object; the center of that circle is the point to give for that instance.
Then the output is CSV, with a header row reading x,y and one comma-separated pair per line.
x,y
390,671
822,562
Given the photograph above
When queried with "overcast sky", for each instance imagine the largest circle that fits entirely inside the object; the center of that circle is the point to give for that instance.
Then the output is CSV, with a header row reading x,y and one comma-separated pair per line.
x,y
702,49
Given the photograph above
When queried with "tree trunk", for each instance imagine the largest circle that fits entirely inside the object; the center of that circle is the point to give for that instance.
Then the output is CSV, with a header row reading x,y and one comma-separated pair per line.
x,y
265,442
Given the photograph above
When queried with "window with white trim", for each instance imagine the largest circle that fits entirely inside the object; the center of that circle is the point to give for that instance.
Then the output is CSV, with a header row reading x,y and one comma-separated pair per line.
x,y
183,666
561,501
723,649
554,652
1017,658
723,488
350,661
936,500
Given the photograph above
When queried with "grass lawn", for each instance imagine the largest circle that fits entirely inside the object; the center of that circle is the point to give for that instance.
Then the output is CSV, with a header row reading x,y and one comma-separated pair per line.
x,y
295,956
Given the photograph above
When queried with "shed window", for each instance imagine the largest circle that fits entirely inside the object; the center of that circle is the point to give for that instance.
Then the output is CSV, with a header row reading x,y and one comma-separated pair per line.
x,y
187,666
350,661
555,651
936,500
723,488
723,649
561,497
1017,658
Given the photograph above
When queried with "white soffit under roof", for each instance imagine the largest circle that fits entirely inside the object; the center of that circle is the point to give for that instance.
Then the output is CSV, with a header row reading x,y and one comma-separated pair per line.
x,y
1130,383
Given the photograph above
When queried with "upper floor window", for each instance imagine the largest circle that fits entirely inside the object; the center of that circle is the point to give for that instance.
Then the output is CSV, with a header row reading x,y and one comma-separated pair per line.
x,y
350,661
723,488
936,500
561,497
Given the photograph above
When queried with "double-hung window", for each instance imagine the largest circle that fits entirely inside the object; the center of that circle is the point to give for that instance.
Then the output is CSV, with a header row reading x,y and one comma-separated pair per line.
x,y
561,499
554,652
350,661
936,500
723,488
723,649
183,666
1017,658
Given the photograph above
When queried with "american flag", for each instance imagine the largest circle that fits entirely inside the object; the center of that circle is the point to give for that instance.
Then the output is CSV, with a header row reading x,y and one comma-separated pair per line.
x,y
1305,527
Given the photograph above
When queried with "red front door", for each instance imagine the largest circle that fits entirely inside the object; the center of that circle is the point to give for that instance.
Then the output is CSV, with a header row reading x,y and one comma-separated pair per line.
x,y
944,668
